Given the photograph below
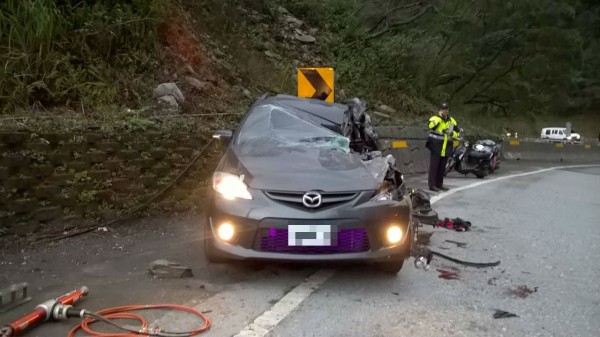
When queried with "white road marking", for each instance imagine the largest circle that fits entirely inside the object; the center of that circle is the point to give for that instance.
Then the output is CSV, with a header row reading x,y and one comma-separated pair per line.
x,y
270,318
441,196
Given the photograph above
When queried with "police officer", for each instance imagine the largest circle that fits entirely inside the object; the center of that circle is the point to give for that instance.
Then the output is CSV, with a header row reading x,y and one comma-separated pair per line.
x,y
442,130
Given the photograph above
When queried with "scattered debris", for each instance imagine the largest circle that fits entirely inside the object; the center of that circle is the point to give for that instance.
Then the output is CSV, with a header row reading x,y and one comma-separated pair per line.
x,y
503,314
451,274
457,243
282,10
423,238
422,210
492,281
13,296
395,293
456,224
523,291
247,93
167,269
102,229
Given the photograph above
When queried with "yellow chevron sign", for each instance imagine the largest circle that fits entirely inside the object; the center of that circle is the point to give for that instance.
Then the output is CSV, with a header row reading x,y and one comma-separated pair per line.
x,y
316,83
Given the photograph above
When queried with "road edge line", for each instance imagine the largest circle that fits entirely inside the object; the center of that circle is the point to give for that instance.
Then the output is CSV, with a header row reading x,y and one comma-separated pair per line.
x,y
441,196
269,319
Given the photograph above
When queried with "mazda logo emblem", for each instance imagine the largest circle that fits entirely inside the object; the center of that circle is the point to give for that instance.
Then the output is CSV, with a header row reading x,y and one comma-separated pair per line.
x,y
312,199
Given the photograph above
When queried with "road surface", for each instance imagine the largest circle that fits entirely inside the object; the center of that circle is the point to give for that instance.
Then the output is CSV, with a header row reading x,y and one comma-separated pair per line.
x,y
543,227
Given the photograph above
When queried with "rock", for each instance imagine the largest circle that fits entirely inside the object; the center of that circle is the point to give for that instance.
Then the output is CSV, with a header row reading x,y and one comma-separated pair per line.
x,y
305,38
273,55
169,102
282,10
188,69
267,45
196,83
381,114
169,89
386,109
313,31
168,269
294,22
247,93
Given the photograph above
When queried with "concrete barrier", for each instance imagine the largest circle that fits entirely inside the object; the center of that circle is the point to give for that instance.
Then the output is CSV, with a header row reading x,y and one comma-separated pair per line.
x,y
522,150
407,145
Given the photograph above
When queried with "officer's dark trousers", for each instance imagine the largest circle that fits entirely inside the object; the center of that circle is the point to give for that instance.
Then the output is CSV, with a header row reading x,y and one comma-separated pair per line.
x,y
437,165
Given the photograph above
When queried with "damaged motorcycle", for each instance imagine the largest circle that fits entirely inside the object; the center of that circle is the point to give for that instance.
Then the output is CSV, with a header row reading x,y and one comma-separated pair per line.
x,y
468,159
495,149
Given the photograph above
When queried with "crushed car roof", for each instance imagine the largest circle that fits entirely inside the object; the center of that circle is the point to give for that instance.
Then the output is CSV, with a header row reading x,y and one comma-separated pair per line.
x,y
329,115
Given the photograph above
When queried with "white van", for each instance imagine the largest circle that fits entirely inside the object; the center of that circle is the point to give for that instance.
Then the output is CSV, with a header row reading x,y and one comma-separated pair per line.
x,y
559,134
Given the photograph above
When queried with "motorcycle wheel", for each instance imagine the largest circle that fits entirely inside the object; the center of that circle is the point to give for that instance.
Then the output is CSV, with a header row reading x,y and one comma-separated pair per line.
x,y
449,166
480,174
493,164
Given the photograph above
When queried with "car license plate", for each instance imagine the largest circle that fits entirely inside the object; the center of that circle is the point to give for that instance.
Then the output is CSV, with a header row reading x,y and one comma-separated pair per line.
x,y
312,235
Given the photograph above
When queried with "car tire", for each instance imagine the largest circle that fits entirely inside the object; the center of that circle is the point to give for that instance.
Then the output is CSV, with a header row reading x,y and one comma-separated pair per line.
x,y
209,254
391,267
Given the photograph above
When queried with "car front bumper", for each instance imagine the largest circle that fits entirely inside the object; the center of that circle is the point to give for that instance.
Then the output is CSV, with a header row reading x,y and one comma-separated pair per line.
x,y
256,219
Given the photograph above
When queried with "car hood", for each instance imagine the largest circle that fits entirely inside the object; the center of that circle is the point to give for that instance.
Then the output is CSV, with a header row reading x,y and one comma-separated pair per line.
x,y
299,169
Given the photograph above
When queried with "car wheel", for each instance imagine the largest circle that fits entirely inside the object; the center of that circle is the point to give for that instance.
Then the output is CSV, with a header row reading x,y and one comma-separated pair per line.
x,y
391,267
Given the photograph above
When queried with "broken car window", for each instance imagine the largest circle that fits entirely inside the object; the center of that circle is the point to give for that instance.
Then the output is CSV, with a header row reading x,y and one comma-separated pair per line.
x,y
269,125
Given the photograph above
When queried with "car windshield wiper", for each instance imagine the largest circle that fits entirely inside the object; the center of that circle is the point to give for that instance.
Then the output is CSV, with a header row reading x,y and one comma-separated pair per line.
x,y
316,139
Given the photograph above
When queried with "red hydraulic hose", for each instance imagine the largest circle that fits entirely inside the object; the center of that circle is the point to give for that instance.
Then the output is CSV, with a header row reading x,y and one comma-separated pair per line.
x,y
124,313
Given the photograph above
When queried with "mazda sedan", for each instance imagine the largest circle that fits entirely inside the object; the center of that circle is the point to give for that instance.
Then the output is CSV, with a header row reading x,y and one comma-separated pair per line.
x,y
292,187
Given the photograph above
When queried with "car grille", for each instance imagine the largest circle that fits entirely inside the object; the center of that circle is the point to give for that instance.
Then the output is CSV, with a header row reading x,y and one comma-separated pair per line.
x,y
352,240
295,198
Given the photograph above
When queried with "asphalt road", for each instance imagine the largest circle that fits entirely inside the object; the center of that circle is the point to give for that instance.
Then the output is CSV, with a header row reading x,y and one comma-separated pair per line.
x,y
543,227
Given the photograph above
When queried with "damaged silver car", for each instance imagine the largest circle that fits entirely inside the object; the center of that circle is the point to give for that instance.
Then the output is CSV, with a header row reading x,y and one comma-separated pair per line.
x,y
305,180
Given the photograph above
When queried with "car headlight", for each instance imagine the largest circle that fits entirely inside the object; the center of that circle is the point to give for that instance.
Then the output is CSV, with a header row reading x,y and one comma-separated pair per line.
x,y
383,196
230,186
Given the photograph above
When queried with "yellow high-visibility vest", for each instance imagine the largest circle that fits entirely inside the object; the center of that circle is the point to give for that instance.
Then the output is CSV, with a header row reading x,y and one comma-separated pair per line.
x,y
440,126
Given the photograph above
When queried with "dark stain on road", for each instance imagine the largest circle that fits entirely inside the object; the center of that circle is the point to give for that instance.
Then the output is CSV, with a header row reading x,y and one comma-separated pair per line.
x,y
449,273
523,291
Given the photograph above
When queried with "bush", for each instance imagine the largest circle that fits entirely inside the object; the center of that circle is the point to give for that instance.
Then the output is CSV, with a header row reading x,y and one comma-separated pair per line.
x,y
76,53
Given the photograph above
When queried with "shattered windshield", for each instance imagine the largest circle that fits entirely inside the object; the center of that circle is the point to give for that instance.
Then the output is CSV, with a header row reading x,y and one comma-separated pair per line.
x,y
271,126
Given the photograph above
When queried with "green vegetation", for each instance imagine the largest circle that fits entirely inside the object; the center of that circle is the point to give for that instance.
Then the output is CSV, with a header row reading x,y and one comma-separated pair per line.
x,y
522,64
77,53
503,59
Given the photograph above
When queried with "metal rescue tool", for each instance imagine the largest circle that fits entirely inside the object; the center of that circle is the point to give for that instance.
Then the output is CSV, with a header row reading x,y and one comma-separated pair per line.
x,y
43,312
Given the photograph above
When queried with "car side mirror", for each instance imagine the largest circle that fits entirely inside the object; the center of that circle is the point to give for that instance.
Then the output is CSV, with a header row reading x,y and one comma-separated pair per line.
x,y
224,135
